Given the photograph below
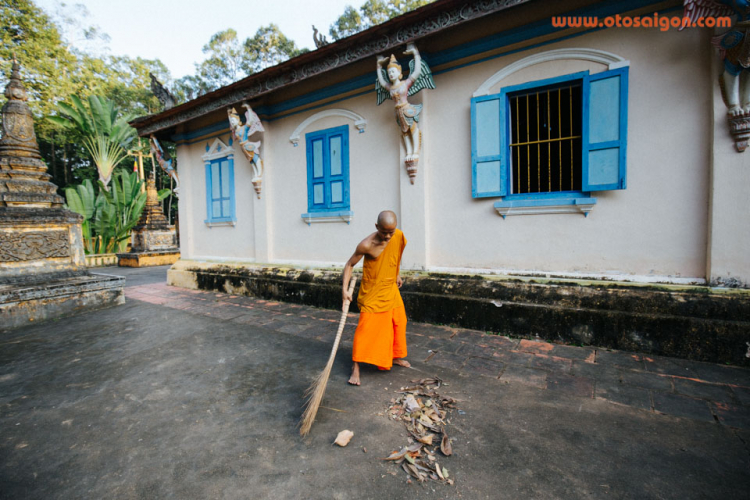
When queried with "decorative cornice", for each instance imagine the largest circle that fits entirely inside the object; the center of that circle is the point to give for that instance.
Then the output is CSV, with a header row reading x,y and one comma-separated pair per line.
x,y
359,122
424,21
218,150
610,60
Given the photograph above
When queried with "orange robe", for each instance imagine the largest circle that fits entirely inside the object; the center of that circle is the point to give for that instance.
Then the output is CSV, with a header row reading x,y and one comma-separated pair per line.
x,y
381,332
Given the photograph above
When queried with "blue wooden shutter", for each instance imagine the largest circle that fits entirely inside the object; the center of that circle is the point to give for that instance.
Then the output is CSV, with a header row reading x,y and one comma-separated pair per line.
x,y
488,146
328,169
209,212
337,173
605,120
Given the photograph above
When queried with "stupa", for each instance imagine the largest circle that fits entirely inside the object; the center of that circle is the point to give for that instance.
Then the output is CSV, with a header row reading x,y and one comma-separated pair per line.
x,y
43,273
153,241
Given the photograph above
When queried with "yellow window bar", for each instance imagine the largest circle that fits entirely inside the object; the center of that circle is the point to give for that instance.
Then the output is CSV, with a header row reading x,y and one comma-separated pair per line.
x,y
539,142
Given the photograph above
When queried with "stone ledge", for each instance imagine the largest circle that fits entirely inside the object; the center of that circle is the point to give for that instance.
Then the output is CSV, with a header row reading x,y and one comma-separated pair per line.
x,y
688,322
21,304
147,259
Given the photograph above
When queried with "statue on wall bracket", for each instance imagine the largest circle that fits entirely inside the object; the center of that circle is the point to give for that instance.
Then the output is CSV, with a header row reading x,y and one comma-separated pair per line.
x,y
165,161
389,85
734,50
242,132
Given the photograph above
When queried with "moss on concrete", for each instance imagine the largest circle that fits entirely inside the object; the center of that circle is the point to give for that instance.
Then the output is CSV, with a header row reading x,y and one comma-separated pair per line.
x,y
700,323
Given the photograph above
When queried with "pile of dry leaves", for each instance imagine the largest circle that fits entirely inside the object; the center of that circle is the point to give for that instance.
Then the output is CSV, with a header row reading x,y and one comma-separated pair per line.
x,y
424,412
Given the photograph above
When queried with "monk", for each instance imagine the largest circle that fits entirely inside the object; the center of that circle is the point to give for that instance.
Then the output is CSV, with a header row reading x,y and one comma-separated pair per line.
x,y
380,338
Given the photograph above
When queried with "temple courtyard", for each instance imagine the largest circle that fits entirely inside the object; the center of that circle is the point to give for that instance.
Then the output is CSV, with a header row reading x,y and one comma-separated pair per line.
x,y
196,395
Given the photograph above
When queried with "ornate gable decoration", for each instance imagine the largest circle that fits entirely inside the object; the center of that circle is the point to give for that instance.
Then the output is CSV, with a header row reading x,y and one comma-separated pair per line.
x,y
218,150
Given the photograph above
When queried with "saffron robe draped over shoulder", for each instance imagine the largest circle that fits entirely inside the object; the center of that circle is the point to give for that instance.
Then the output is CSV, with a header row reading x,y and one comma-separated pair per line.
x,y
381,332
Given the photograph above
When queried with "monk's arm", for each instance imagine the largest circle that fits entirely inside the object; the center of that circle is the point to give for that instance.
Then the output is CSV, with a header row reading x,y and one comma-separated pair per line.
x,y
360,252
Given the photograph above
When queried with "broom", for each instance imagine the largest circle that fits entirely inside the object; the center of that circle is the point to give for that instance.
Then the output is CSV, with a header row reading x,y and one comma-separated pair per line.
x,y
318,388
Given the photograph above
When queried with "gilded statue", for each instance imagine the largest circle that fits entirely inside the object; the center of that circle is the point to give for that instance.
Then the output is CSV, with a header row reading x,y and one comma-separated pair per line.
x,y
389,85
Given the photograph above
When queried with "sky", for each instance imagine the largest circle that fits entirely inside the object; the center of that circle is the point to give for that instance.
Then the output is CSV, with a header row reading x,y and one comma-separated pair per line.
x,y
175,31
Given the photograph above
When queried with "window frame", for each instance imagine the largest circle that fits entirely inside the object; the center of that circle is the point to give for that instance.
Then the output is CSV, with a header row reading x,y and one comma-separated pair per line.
x,y
232,217
503,138
328,207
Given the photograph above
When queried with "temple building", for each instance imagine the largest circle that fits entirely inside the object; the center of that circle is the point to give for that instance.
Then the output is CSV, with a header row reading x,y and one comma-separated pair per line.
x,y
571,166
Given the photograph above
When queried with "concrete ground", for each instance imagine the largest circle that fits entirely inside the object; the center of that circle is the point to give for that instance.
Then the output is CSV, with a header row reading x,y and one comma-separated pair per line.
x,y
194,395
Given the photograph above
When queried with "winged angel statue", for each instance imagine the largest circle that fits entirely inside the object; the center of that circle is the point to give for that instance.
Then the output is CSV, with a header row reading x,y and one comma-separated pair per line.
x,y
251,150
165,161
390,85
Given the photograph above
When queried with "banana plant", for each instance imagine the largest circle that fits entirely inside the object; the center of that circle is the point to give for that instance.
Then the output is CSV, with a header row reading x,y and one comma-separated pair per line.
x,y
105,135
82,200
123,208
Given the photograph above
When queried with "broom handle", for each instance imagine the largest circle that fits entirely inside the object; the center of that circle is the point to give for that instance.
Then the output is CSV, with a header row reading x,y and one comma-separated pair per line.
x,y
342,321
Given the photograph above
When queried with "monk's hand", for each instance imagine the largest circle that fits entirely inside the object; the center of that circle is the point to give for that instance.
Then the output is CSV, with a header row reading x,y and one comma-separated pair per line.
x,y
346,296
399,281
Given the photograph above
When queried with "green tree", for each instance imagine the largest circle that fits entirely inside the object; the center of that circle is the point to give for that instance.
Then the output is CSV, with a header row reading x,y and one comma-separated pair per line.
x,y
226,60
230,60
372,13
104,130
267,48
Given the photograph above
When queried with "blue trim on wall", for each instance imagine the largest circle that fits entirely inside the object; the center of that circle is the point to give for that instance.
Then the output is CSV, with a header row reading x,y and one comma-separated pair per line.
x,y
222,126
570,200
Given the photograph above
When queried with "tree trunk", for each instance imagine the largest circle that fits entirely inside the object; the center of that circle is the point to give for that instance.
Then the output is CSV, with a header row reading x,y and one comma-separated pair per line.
x,y
53,167
65,163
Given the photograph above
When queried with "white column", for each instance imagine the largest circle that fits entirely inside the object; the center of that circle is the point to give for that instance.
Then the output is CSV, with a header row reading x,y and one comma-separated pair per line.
x,y
414,197
728,252
186,206
261,207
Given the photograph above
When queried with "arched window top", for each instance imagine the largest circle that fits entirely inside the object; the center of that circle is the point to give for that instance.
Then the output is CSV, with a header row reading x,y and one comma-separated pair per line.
x,y
359,122
611,61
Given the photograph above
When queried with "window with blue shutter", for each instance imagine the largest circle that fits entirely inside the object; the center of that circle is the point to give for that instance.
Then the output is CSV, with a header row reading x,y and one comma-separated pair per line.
x,y
220,190
563,136
328,170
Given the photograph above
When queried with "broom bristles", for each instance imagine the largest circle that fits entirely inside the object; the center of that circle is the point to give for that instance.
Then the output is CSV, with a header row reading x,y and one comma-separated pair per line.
x,y
318,388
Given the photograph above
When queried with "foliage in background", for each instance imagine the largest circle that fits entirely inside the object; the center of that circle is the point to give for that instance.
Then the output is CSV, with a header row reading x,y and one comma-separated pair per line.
x,y
109,216
62,54
372,13
105,135
230,60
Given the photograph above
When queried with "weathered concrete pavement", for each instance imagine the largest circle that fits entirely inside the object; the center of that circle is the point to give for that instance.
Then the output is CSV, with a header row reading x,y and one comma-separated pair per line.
x,y
186,394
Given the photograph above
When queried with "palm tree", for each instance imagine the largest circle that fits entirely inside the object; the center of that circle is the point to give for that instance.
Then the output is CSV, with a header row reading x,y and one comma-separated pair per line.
x,y
105,136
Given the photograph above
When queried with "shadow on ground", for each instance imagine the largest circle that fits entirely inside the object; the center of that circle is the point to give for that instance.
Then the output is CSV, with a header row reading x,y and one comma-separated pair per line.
x,y
153,401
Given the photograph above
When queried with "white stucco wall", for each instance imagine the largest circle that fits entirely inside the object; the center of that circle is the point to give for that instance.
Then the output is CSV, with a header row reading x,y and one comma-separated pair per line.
x,y
729,228
657,226
197,239
373,181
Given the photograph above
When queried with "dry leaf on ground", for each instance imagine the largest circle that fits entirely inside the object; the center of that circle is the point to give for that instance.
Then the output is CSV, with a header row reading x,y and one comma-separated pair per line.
x,y
445,446
343,438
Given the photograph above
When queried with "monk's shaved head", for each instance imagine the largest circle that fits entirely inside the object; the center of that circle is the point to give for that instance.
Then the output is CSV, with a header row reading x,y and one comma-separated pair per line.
x,y
386,218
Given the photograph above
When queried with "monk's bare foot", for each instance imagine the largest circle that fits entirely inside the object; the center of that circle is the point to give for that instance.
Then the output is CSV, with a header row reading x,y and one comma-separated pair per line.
x,y
402,362
354,379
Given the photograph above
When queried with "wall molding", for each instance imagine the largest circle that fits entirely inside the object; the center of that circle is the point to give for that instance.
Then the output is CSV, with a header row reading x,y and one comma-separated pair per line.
x,y
610,60
359,122
217,150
